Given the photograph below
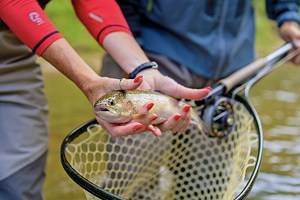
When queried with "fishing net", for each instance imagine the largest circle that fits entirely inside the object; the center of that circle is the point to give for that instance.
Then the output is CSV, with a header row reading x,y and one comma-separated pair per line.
x,y
189,165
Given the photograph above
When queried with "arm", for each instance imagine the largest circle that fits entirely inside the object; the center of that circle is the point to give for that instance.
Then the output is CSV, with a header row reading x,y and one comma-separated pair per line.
x,y
28,21
104,20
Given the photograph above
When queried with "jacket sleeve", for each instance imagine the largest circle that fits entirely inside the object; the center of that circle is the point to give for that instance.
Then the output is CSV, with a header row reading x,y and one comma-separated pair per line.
x,y
283,10
101,17
130,9
29,22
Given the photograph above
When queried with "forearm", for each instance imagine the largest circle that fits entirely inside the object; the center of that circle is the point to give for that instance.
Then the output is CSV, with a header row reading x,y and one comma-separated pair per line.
x,y
106,23
64,58
124,50
28,21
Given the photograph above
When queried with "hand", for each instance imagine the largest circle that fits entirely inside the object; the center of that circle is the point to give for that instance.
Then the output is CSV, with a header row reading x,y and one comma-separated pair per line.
x,y
154,80
102,85
290,32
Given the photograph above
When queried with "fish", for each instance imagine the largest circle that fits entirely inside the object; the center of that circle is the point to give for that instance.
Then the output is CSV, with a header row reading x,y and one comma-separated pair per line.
x,y
121,106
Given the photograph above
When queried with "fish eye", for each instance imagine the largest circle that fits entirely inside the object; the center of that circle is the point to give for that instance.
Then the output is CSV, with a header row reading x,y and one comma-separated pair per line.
x,y
111,102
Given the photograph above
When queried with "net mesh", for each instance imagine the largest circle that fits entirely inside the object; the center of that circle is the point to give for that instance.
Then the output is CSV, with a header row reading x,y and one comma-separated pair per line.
x,y
179,166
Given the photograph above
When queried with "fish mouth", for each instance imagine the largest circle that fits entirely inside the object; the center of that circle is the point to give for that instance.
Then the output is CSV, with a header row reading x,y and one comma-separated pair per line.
x,y
110,115
101,108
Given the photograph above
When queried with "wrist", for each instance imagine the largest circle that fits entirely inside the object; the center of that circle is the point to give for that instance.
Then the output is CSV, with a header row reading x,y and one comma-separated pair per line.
x,y
92,87
143,67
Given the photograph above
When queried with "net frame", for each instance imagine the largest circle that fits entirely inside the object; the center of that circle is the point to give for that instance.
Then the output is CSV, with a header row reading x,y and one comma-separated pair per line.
x,y
103,194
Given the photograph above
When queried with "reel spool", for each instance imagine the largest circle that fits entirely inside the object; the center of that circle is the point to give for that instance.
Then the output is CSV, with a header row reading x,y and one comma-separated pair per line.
x,y
218,116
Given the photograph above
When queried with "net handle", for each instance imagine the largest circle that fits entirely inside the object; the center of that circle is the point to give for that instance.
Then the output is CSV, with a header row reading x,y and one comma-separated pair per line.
x,y
74,175
246,190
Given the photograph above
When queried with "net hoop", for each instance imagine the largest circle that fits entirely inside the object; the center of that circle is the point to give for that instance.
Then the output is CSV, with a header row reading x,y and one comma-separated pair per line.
x,y
101,193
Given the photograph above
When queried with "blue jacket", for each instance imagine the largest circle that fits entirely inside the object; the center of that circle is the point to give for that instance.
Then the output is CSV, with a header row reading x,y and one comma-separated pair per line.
x,y
212,38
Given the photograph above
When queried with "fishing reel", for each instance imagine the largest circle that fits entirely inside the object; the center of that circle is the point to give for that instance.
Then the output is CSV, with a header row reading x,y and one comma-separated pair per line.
x,y
218,115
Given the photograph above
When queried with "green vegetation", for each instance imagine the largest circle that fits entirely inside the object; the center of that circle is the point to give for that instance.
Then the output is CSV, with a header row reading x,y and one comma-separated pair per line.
x,y
64,18
69,108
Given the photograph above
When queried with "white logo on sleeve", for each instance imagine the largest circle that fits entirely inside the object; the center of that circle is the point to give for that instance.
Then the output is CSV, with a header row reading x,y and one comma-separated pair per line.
x,y
36,18
96,17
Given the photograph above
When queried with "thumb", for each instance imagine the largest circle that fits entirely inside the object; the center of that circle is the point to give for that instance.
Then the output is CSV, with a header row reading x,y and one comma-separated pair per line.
x,y
178,91
128,84
189,93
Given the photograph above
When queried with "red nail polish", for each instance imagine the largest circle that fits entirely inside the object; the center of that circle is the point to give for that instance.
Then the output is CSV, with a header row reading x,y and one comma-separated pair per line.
x,y
186,108
154,117
149,106
138,127
138,79
177,117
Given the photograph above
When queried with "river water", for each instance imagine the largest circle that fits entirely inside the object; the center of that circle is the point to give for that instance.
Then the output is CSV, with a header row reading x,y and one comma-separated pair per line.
x,y
277,100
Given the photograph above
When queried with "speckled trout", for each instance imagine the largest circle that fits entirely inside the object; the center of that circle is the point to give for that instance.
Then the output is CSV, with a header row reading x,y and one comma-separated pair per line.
x,y
122,106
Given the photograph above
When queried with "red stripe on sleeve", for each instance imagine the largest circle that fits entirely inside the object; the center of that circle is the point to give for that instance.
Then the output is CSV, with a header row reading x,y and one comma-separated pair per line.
x,y
29,22
101,17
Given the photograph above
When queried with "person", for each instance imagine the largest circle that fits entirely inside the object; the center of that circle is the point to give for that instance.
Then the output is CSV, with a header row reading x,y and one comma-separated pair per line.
x,y
199,43
23,108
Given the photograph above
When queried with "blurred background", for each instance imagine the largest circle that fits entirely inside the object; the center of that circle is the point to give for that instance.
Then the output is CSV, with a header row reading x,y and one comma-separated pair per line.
x,y
276,98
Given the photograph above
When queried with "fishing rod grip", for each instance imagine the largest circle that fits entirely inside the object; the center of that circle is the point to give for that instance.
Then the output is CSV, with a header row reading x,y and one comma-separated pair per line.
x,y
251,69
243,74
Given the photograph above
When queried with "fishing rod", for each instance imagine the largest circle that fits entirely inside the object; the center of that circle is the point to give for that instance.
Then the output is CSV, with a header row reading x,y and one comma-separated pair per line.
x,y
217,110
240,80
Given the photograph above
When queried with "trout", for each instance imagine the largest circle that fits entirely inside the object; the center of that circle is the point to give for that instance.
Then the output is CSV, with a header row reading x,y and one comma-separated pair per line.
x,y
122,106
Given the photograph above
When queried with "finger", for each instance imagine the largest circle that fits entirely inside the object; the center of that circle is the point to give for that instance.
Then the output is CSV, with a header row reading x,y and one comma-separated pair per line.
x,y
185,125
155,130
290,31
146,108
296,42
127,84
178,91
124,129
171,122
179,125
185,113
143,115
147,119
296,60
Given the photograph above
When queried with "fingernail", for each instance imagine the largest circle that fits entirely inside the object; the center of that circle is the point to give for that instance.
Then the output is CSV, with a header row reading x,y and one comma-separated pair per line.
x,y
149,106
138,127
138,79
177,117
186,108
154,117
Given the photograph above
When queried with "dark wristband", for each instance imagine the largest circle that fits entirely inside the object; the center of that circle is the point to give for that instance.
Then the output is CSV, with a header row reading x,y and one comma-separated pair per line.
x,y
142,67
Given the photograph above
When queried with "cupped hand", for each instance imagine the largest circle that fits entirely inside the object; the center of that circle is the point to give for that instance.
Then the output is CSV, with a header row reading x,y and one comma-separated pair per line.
x,y
154,80
290,32
102,85
178,122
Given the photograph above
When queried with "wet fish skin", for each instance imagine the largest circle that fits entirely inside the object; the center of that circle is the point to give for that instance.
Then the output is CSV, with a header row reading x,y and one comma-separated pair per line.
x,y
122,106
